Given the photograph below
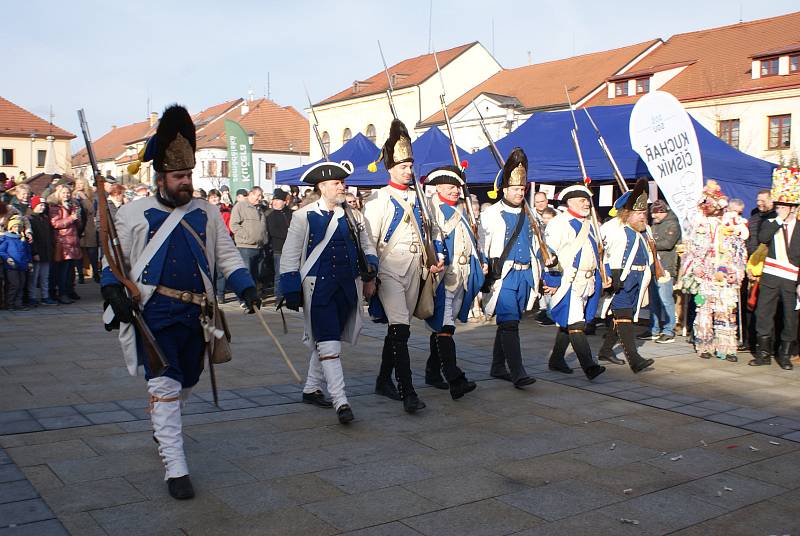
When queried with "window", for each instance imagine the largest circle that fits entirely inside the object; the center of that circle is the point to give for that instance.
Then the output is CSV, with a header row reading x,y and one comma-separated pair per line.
x,y
40,158
269,171
224,166
621,89
642,86
212,168
769,67
728,131
8,157
794,63
780,131
346,135
326,141
370,133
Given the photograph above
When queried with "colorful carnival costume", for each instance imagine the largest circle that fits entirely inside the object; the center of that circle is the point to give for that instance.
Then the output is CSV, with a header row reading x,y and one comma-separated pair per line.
x,y
714,266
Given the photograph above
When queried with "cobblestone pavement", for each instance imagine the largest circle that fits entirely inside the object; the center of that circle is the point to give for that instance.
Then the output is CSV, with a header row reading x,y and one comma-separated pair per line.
x,y
691,447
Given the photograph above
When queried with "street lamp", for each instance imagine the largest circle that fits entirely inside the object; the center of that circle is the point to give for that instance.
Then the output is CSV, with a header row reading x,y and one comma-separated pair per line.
x,y
251,139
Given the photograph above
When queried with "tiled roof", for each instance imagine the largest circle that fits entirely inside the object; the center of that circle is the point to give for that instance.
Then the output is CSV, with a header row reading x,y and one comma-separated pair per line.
x,y
721,60
277,128
542,85
407,73
17,121
113,143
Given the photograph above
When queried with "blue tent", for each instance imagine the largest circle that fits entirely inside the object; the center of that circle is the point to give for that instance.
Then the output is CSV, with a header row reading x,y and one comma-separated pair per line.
x,y
431,150
359,150
547,141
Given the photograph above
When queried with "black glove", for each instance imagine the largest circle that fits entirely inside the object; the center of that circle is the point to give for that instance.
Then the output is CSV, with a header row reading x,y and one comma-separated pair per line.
x,y
251,299
293,300
616,280
119,301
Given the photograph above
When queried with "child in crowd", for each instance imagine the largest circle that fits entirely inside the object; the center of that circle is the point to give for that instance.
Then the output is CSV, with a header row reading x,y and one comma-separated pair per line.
x,y
42,251
15,252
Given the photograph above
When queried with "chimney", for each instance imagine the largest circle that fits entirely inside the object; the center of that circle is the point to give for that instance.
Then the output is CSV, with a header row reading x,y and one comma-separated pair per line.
x,y
245,108
153,118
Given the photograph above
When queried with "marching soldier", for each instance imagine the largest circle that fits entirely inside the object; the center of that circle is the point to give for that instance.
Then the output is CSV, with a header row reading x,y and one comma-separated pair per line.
x,y
463,277
173,244
320,271
394,223
510,287
630,262
576,289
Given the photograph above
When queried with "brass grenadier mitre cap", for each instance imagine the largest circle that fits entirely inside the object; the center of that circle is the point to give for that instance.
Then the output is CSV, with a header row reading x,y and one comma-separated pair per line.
x,y
397,148
638,197
173,145
515,172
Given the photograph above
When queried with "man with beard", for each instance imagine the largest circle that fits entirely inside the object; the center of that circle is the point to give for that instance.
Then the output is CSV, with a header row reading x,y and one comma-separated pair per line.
x,y
576,288
629,261
171,245
463,277
319,271
394,222
510,289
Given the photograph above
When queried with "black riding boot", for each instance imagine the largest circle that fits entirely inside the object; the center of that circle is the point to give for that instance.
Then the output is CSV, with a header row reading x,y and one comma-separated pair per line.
x,y
763,351
498,369
785,355
512,353
433,375
446,347
624,326
384,385
584,352
398,337
606,352
557,361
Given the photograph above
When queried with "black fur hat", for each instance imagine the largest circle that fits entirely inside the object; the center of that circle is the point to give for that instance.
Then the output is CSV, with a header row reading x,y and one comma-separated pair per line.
x,y
175,140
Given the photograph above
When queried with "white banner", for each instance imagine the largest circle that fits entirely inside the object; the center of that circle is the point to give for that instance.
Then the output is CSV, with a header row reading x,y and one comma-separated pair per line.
x,y
663,135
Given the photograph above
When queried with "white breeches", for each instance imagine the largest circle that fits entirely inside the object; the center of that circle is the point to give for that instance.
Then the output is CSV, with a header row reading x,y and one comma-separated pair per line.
x,y
578,297
165,414
399,295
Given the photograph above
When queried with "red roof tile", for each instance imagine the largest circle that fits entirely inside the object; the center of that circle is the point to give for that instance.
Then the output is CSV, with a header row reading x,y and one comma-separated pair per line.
x,y
542,85
721,60
113,143
17,121
407,73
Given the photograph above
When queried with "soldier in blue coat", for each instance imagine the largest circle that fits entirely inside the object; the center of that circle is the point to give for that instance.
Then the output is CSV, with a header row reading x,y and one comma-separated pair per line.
x,y
461,282
328,266
172,244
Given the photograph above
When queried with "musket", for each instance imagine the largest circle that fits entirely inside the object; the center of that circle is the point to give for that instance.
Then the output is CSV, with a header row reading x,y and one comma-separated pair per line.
x,y
592,212
473,219
425,214
156,361
549,259
364,268
651,242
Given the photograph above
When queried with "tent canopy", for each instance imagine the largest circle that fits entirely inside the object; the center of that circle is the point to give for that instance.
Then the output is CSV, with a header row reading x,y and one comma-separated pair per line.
x,y
547,141
359,150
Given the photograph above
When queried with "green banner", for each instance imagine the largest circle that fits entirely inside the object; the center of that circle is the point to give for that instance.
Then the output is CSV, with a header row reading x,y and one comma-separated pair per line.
x,y
240,157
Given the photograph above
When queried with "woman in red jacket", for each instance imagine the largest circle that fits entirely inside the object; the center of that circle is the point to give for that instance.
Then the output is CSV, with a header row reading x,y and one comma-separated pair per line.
x,y
65,217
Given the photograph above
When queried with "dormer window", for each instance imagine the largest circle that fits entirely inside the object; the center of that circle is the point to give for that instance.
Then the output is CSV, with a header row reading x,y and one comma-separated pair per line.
x,y
642,86
621,88
794,63
769,67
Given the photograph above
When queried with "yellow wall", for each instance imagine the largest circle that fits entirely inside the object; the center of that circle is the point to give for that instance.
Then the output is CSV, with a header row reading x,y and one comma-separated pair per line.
x,y
24,149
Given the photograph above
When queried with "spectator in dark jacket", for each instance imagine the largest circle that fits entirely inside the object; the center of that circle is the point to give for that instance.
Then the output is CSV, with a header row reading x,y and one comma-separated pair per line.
x,y
43,248
666,234
278,222
764,210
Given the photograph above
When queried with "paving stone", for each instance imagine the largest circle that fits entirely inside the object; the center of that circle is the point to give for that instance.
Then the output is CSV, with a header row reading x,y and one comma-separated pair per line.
x,y
57,411
20,427
562,499
41,477
727,418
464,487
685,399
18,490
254,498
221,395
696,462
762,427
719,406
99,407
287,463
249,392
134,403
21,512
93,495
102,467
4,458
752,414
367,476
55,423
765,518
387,529
631,395
793,436
10,473
110,416
14,416
588,524
694,411
51,452
372,508
81,523
200,407
785,421
51,527
285,388
483,518
658,402
731,491
781,470
611,454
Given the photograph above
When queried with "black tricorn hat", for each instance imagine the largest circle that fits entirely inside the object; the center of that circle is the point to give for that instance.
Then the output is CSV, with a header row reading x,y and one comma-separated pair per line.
x,y
397,148
327,171
175,140
445,175
639,196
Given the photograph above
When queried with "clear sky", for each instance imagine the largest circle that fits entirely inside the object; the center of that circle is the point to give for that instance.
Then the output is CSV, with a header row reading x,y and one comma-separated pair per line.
x,y
110,56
